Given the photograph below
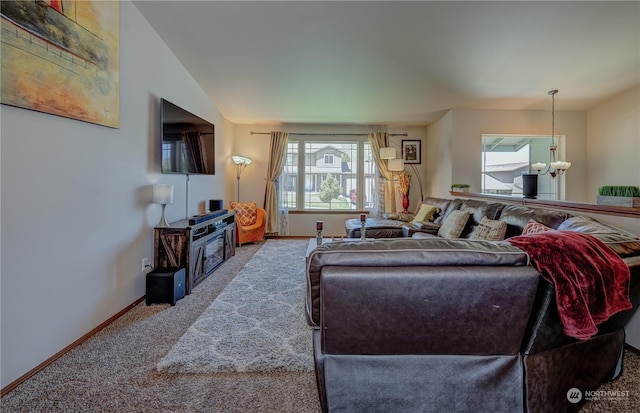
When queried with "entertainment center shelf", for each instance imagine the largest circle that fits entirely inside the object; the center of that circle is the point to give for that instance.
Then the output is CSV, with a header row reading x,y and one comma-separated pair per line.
x,y
199,245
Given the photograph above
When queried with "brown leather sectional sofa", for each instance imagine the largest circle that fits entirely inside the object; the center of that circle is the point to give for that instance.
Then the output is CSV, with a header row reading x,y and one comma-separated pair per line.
x,y
427,324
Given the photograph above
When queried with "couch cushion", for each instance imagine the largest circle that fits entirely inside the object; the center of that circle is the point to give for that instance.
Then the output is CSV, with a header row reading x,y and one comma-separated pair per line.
x,y
399,216
517,218
489,229
478,210
453,205
425,213
442,204
247,213
454,224
624,243
375,228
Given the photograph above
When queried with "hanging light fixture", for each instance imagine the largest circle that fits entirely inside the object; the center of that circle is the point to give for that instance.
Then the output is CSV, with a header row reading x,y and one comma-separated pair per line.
x,y
555,166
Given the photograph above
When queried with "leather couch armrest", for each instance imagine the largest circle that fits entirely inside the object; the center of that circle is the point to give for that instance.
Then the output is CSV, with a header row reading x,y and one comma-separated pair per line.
x,y
399,253
418,310
426,227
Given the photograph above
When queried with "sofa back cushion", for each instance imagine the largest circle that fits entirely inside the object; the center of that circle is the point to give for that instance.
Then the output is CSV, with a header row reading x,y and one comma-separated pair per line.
x,y
624,243
426,213
454,224
440,203
517,217
478,210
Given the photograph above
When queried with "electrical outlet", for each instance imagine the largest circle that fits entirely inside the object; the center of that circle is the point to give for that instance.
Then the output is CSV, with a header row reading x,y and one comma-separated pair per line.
x,y
145,264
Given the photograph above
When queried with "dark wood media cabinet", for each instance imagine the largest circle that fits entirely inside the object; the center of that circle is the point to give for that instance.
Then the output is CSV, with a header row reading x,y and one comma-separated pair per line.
x,y
199,247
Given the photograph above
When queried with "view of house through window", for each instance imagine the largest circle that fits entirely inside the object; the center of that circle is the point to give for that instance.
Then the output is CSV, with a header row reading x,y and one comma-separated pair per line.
x,y
506,157
328,175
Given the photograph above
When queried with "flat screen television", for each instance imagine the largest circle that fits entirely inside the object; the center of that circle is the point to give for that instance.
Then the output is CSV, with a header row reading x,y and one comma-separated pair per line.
x,y
188,142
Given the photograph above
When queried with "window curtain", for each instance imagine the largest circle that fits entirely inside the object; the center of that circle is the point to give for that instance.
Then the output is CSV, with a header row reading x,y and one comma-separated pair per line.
x,y
277,159
387,197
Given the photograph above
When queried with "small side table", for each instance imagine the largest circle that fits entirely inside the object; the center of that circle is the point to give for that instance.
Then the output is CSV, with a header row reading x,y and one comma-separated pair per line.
x,y
165,286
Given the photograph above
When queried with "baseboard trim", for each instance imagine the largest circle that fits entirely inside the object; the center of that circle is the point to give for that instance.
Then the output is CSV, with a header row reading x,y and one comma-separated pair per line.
x,y
631,348
8,388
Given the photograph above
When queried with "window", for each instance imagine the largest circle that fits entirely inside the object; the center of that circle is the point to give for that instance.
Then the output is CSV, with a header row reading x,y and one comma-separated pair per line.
x,y
328,175
506,157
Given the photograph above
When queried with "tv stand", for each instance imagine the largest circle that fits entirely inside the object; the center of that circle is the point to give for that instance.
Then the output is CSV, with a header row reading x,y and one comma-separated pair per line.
x,y
199,248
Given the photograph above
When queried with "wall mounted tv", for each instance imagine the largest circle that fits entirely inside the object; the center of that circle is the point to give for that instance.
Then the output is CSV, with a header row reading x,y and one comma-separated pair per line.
x,y
188,142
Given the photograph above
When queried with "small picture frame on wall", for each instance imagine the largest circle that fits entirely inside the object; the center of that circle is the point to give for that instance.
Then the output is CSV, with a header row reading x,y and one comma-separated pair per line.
x,y
411,151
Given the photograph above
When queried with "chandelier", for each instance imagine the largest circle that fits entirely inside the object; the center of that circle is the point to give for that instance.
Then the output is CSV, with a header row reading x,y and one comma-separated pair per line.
x,y
555,166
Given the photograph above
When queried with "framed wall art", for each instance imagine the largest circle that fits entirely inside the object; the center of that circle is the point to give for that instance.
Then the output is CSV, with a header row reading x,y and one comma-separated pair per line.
x,y
411,151
63,57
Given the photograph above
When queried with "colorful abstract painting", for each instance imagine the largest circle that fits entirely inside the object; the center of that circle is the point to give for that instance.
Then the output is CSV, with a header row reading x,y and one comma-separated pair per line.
x,y
62,57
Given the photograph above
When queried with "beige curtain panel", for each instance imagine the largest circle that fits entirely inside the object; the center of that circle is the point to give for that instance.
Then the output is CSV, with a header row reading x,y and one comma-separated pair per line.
x,y
388,198
277,159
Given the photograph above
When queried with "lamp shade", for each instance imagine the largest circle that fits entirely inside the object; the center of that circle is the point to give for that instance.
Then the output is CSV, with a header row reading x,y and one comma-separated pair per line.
x,y
538,166
387,153
395,165
162,194
241,160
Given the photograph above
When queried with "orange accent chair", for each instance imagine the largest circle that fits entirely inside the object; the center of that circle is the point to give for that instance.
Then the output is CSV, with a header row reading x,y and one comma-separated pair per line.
x,y
246,229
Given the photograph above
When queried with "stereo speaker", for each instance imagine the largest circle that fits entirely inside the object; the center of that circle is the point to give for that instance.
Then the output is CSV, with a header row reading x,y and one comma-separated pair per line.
x,y
215,204
165,286
530,186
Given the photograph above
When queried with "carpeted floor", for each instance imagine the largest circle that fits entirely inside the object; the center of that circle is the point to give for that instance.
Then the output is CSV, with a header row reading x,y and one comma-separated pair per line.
x,y
114,371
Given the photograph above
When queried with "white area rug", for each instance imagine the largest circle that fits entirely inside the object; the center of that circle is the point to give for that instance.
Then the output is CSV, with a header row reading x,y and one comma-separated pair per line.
x,y
257,323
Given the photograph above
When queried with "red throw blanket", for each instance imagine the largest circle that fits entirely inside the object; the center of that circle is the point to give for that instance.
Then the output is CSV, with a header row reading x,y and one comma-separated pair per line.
x,y
591,281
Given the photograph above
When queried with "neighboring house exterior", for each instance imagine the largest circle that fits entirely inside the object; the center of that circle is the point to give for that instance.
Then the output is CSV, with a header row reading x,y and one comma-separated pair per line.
x,y
504,179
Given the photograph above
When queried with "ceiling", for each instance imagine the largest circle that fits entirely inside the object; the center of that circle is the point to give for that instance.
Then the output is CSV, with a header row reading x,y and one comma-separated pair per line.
x,y
399,63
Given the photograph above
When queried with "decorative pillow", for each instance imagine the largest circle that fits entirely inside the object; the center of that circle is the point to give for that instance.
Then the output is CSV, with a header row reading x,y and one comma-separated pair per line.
x,y
398,216
454,224
426,213
490,229
534,227
246,213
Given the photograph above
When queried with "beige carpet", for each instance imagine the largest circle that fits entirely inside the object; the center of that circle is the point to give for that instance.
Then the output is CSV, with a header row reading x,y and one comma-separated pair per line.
x,y
114,371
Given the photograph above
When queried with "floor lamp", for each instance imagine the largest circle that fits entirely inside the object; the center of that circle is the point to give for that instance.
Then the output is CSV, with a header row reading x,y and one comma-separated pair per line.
x,y
241,163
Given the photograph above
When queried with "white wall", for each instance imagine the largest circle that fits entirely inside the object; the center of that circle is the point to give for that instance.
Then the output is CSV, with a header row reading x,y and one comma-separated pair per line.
x,y
613,151
439,144
76,217
470,125
613,144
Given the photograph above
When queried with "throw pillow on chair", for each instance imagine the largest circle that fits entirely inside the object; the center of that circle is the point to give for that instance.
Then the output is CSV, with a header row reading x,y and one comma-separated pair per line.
x,y
246,213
